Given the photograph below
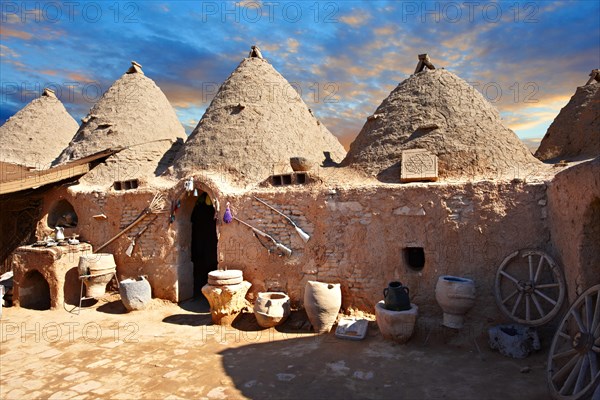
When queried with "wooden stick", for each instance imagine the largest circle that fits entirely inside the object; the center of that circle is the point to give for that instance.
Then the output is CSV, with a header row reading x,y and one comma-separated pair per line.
x,y
127,229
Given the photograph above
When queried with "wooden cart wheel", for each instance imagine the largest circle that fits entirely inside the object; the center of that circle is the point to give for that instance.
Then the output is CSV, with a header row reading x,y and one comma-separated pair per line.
x,y
573,369
530,287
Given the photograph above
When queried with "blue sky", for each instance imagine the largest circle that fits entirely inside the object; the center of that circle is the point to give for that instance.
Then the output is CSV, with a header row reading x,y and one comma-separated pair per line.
x,y
345,57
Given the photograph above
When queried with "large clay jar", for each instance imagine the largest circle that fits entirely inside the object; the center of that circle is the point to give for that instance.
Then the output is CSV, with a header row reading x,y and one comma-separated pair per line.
x,y
99,269
271,308
396,325
455,296
135,293
322,302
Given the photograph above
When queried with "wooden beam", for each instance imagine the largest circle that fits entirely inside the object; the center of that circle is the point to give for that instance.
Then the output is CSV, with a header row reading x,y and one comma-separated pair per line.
x,y
44,177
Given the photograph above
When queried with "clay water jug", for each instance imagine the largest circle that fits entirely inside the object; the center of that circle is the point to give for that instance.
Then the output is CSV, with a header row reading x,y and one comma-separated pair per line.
x,y
396,297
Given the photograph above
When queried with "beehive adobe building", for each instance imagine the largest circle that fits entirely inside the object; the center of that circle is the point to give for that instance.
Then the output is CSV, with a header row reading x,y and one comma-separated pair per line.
x,y
492,198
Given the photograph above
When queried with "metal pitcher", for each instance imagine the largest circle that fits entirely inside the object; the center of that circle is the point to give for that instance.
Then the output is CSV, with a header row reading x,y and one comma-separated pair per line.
x,y
396,297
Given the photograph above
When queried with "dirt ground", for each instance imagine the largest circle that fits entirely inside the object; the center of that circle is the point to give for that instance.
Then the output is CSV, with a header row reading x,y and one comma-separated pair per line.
x,y
173,352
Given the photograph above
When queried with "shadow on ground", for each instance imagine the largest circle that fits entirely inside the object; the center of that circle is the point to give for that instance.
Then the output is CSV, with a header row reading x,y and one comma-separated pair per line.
x,y
200,309
285,365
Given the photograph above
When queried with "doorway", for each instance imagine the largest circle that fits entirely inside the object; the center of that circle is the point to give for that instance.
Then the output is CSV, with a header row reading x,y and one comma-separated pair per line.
x,y
204,241
590,245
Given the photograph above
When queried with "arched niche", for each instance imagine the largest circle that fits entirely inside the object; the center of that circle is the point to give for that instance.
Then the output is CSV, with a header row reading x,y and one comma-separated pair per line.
x,y
62,214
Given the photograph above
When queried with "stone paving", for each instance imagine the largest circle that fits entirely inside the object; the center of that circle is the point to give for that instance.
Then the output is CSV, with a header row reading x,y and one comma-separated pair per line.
x,y
169,352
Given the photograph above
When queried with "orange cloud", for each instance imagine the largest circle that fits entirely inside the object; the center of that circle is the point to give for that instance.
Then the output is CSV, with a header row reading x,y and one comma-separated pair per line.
x,y
385,31
50,72
293,45
183,96
78,77
9,32
355,21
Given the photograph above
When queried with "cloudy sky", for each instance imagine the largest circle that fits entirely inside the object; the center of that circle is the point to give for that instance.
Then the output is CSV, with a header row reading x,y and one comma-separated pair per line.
x,y
344,57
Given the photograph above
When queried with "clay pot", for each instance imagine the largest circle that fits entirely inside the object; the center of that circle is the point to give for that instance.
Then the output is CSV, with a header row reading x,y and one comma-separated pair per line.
x,y
455,296
300,164
135,293
396,297
100,267
322,302
96,264
396,325
271,308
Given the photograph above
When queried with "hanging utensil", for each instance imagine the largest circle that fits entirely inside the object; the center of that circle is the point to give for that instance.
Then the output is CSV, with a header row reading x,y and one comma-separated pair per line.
x,y
305,236
285,250
135,237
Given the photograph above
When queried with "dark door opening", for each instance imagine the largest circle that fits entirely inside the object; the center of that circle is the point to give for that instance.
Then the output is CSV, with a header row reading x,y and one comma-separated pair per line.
x,y
34,291
204,242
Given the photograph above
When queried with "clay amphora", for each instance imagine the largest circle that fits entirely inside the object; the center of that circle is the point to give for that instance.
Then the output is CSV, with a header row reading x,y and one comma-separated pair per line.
x,y
396,297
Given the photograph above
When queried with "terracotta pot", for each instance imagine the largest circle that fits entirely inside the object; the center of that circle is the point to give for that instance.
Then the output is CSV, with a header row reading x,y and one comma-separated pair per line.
x,y
300,164
322,302
455,296
271,308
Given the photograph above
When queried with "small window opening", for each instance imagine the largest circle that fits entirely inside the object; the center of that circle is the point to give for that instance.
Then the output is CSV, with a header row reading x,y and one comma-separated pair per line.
x,y
287,179
415,258
277,180
126,185
301,178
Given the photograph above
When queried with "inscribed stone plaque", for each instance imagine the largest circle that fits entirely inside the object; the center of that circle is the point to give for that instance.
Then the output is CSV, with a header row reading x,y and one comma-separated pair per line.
x,y
418,165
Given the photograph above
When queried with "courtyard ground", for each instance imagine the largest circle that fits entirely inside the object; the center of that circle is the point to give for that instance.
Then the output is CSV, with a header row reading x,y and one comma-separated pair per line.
x,y
173,351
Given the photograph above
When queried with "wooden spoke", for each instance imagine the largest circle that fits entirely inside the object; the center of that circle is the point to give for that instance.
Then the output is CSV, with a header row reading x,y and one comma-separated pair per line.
x,y
567,353
509,276
588,313
527,307
514,309
593,364
537,304
596,321
581,378
538,270
577,316
572,376
568,367
547,285
530,262
565,336
543,296
510,296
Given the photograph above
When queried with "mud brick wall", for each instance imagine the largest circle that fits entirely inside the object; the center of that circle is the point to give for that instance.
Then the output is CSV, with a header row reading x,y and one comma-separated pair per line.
x,y
358,237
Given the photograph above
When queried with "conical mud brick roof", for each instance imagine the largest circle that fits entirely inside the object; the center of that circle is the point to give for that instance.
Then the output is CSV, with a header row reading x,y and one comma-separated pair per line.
x,y
575,132
255,123
133,113
438,111
37,134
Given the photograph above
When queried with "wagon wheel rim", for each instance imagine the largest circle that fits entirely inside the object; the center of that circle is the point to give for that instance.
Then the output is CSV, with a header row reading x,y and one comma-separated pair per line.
x,y
533,293
573,369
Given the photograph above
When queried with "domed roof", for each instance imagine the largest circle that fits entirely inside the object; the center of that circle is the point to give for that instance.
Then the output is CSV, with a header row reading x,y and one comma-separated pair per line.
x,y
438,111
133,113
255,123
575,132
37,134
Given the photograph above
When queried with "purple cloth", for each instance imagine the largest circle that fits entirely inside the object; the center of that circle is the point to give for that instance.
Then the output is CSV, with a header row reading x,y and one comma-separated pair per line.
x,y
227,217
